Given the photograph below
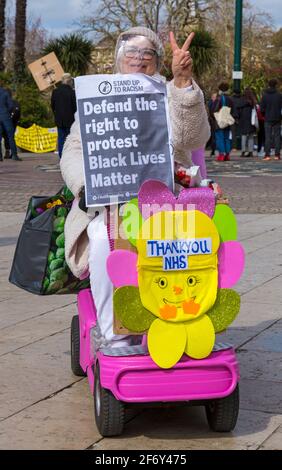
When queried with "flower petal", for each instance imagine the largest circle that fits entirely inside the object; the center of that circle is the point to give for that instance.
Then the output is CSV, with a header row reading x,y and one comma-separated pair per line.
x,y
225,309
166,342
225,222
130,311
121,267
200,337
231,262
154,196
131,221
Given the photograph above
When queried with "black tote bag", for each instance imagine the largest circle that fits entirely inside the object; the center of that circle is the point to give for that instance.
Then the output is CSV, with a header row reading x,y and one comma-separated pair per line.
x,y
31,255
39,264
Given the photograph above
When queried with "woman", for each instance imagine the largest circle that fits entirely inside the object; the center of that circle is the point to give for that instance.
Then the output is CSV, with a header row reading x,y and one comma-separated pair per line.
x,y
212,121
223,137
87,246
245,109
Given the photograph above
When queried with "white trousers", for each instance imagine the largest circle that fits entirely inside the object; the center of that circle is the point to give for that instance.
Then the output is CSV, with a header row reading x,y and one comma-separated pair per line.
x,y
101,285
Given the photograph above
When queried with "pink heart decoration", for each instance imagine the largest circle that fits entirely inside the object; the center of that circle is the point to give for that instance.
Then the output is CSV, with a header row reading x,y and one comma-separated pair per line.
x,y
231,262
154,196
121,267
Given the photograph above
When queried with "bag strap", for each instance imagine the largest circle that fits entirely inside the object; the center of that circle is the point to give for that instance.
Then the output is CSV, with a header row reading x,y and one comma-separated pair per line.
x,y
223,100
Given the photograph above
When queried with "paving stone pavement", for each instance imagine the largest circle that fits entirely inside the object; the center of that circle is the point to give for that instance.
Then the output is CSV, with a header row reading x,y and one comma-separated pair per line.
x,y
43,406
252,185
35,175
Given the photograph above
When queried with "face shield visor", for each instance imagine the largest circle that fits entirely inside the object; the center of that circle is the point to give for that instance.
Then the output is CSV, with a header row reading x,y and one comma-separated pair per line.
x,y
137,52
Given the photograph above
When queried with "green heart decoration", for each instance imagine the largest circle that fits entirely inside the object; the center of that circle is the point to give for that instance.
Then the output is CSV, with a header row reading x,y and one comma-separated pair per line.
x,y
132,220
225,222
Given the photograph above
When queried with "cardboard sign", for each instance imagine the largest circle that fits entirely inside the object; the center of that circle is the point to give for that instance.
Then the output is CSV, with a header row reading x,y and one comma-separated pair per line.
x,y
125,135
46,71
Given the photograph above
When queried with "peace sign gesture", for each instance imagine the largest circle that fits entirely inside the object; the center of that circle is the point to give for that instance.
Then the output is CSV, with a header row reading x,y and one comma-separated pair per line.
x,y
182,62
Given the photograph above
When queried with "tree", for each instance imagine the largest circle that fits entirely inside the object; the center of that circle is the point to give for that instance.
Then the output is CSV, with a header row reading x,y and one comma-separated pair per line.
x,y
36,37
73,51
111,17
2,33
274,51
20,28
216,17
182,15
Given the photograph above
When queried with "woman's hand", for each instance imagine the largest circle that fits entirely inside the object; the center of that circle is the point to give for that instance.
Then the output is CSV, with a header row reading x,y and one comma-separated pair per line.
x,y
182,62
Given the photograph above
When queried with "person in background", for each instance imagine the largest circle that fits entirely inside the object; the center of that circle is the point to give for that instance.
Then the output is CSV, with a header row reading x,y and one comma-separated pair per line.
x,y
63,104
236,132
261,133
270,107
212,124
223,137
15,116
248,130
6,123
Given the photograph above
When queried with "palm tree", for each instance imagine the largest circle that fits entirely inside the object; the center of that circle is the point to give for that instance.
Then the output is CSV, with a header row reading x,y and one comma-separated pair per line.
x,y
73,51
204,52
2,33
20,27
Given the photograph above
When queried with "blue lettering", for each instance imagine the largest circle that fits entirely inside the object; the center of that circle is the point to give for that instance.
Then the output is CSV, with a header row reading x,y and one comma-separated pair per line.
x,y
204,247
151,244
183,262
160,249
175,247
178,247
188,247
167,264
175,262
195,247
168,249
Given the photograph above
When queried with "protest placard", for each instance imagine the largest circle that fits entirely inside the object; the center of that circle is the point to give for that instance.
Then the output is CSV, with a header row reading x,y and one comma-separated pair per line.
x,y
125,135
46,71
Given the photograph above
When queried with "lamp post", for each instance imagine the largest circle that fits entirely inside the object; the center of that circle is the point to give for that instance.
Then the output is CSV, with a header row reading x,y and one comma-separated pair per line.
x,y
237,73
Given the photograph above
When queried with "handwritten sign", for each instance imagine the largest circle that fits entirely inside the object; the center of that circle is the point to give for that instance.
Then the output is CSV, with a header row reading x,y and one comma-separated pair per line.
x,y
175,253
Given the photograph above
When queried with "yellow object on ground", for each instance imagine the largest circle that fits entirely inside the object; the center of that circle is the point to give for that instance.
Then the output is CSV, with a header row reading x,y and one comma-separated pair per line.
x,y
37,139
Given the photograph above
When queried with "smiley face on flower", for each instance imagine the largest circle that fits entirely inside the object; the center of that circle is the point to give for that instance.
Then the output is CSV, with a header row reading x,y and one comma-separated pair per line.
x,y
177,270
177,296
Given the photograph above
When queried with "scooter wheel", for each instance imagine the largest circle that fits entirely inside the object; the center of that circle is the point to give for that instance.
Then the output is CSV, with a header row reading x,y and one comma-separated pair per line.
x,y
109,412
222,413
75,348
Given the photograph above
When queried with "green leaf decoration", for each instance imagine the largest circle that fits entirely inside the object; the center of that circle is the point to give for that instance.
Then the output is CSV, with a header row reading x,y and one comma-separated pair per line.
x,y
225,222
129,309
131,221
225,309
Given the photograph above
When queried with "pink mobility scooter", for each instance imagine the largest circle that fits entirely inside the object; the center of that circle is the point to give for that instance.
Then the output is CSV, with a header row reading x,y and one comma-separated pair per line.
x,y
116,381
178,360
